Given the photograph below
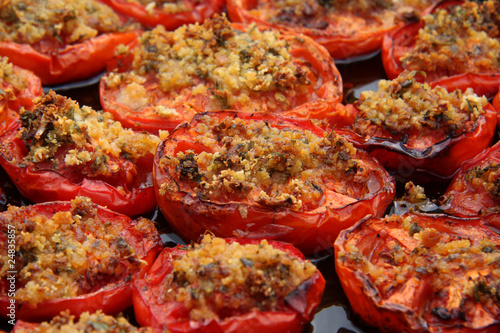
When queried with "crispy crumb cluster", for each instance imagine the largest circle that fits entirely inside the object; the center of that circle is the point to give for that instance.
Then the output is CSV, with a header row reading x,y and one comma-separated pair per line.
x,y
486,177
212,59
405,104
94,137
87,322
464,39
69,253
64,21
461,271
217,279
275,167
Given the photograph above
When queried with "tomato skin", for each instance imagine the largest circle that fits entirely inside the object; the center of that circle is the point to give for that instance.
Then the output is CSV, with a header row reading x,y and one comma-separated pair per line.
x,y
396,43
70,63
408,308
170,21
42,184
426,159
113,297
463,199
320,102
311,231
150,311
339,45
496,106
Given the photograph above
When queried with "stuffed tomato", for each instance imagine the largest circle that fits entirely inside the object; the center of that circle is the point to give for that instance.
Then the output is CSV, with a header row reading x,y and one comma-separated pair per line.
x,y
169,76
266,176
229,285
74,256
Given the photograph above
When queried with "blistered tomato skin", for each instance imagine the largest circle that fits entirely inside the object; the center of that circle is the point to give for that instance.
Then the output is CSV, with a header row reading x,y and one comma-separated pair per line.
x,y
290,314
111,293
422,273
307,212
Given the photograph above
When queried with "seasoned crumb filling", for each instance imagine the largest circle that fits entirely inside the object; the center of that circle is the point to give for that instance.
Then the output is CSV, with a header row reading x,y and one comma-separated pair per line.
x,y
460,270
404,104
466,39
63,21
215,279
486,177
67,254
213,59
275,167
94,137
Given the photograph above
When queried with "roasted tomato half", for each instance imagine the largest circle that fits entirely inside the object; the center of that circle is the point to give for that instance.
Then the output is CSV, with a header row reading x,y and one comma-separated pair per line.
x,y
457,45
345,28
172,75
422,273
61,40
59,150
420,132
170,14
74,256
229,285
266,176
475,189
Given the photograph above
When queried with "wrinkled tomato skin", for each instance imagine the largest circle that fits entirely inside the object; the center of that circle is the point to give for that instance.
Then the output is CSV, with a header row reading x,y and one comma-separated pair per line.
x,y
427,162
322,101
203,10
400,41
340,46
46,184
150,311
70,63
463,199
113,297
409,313
311,231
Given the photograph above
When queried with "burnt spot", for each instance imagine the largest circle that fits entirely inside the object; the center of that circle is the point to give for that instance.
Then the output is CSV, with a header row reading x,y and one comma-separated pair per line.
x,y
188,169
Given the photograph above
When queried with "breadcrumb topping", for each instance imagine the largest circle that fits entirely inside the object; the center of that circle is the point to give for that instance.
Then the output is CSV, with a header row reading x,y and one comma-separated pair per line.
x,y
87,322
405,104
215,279
212,58
68,253
62,21
272,166
463,39
486,177
93,137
